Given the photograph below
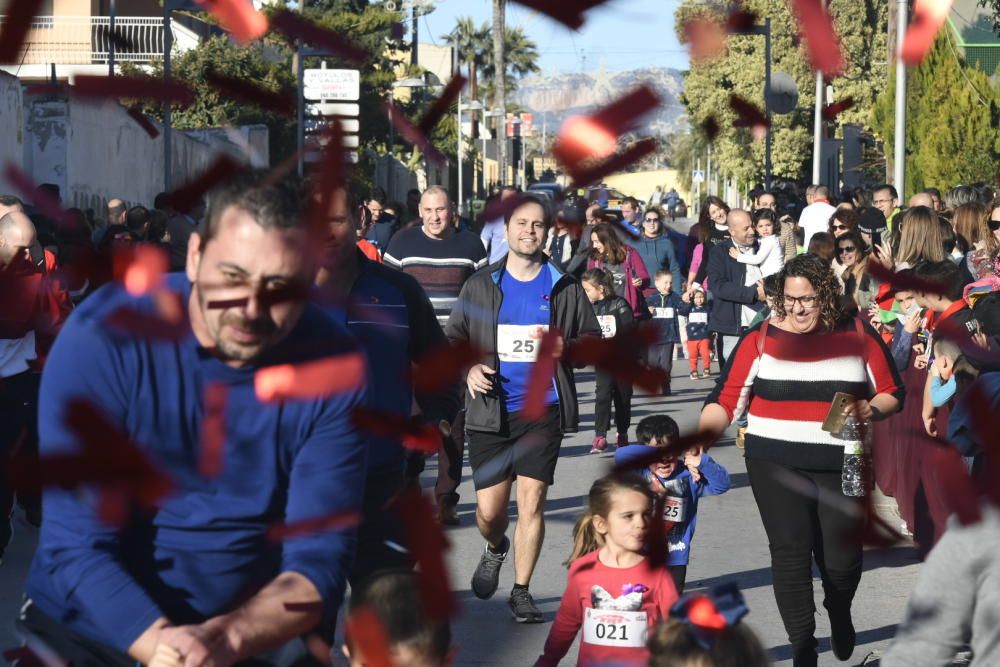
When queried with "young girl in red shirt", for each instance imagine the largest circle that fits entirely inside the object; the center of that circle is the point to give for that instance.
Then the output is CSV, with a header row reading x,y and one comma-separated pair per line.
x,y
614,592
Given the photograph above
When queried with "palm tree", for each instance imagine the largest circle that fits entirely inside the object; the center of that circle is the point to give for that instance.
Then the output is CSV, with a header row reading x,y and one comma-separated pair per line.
x,y
470,43
521,55
500,93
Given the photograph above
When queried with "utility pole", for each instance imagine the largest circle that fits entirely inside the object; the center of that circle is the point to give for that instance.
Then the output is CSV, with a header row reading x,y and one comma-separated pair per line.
x,y
899,141
500,84
112,15
818,125
415,33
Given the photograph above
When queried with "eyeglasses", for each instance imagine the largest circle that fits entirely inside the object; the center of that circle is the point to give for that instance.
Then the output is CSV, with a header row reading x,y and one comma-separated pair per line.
x,y
840,227
651,220
808,302
994,225
847,248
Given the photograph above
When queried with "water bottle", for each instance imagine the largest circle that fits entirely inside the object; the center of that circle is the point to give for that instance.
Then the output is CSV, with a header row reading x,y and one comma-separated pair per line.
x,y
856,473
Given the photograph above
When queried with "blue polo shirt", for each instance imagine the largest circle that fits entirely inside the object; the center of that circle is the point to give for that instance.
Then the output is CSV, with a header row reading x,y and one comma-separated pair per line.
x,y
203,551
526,306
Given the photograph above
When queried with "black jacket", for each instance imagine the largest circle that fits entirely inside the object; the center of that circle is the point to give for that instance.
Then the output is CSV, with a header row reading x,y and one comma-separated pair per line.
x,y
474,319
725,280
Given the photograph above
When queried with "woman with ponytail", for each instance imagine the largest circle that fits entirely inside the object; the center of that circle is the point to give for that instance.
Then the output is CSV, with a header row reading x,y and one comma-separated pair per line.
x,y
614,592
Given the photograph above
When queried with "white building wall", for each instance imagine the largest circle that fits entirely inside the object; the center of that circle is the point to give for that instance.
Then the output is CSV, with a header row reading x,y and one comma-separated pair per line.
x,y
11,121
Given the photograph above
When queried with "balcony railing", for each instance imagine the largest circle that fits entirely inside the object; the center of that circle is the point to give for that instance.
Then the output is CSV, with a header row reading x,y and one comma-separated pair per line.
x,y
86,40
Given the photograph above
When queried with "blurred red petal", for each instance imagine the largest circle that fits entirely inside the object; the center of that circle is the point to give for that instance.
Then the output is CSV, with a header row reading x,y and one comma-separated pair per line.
x,y
187,196
711,128
822,42
16,26
142,87
442,367
442,104
238,17
427,546
927,19
147,125
960,493
413,432
213,430
368,637
313,379
282,104
749,116
292,25
540,380
568,12
831,111
321,524
414,135
140,267
706,39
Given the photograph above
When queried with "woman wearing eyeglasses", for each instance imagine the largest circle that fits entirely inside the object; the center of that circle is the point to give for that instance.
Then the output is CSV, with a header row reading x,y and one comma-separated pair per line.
x,y
656,249
784,374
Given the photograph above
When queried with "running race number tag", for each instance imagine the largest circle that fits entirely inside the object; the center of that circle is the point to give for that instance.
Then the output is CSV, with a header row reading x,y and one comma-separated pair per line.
x,y
607,627
698,318
674,509
664,313
519,342
608,325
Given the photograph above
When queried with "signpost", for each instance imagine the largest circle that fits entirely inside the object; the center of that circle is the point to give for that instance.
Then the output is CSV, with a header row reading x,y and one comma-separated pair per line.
x,y
332,93
697,176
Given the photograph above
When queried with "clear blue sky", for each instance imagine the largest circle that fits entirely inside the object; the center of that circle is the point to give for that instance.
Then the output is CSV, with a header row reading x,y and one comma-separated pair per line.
x,y
622,34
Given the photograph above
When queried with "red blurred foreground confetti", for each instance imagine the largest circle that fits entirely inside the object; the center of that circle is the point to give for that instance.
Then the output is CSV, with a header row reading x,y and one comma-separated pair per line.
x,y
542,372
313,379
140,267
443,367
831,111
706,38
568,12
822,42
187,196
293,26
320,524
280,103
213,430
413,432
368,638
928,18
238,17
962,496
168,322
24,184
142,87
147,125
428,545
749,116
16,25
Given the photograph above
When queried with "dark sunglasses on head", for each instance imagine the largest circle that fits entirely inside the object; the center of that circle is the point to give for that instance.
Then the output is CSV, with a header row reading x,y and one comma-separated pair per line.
x,y
994,225
847,248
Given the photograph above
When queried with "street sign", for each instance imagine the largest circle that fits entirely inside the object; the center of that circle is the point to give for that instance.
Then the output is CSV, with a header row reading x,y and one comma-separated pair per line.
x,y
331,84
349,140
347,125
527,124
312,157
333,109
697,176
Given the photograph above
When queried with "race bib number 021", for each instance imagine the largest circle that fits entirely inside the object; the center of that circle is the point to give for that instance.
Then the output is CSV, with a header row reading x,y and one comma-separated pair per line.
x,y
519,342
607,627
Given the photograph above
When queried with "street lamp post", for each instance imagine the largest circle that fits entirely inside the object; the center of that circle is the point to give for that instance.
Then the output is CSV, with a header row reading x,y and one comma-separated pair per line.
x,y
473,105
492,113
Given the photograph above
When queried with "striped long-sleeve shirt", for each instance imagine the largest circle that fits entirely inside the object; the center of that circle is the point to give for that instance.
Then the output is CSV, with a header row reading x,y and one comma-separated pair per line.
x,y
787,386
441,266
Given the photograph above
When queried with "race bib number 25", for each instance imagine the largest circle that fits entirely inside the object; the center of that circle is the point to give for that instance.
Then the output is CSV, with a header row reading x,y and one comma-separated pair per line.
x,y
607,627
519,342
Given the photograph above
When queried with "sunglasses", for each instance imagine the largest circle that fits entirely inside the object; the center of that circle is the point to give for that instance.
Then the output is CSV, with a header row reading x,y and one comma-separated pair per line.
x,y
845,249
651,220
994,225
840,226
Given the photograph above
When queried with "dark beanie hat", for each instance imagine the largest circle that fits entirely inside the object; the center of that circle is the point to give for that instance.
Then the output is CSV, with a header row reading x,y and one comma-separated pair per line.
x,y
871,220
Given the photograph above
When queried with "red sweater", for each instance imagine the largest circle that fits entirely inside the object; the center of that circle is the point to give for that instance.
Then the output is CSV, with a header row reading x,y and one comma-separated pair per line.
x,y
615,606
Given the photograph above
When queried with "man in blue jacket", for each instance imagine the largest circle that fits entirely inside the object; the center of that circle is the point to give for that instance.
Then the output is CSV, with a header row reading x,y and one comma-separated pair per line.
x,y
737,289
198,574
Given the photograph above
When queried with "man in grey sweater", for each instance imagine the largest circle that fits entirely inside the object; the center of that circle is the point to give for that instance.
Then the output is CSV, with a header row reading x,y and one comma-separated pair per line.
x,y
956,602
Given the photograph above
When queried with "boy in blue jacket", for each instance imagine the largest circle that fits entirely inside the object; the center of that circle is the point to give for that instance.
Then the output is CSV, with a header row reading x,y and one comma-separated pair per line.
x,y
665,306
679,484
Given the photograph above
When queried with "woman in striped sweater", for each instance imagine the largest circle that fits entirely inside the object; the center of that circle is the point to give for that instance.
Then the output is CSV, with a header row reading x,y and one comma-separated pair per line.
x,y
784,373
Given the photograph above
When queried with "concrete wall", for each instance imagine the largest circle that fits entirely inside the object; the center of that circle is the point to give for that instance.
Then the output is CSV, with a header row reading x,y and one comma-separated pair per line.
x,y
11,120
642,183
95,152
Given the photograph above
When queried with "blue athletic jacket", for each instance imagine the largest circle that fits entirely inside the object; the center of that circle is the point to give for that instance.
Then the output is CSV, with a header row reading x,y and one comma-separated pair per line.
x,y
681,494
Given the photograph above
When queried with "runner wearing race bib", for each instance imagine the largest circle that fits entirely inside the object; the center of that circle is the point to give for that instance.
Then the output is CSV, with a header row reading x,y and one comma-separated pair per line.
x,y
680,484
699,338
613,595
665,307
507,311
615,317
